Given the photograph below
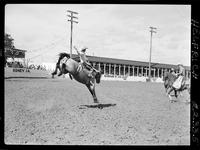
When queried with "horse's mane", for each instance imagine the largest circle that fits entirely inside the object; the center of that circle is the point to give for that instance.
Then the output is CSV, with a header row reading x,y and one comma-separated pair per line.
x,y
62,55
168,75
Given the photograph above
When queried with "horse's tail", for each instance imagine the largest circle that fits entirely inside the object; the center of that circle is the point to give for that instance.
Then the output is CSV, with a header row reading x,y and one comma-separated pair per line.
x,y
62,55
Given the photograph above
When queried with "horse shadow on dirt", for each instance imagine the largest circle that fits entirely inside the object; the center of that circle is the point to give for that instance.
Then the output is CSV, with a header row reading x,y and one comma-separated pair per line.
x,y
179,101
100,106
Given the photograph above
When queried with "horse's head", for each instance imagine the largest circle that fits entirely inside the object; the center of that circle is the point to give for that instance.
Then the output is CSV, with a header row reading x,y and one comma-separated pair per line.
x,y
169,77
63,56
165,76
98,77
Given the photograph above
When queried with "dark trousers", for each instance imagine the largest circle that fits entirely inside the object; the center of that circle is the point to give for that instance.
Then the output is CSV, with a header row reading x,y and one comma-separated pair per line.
x,y
87,65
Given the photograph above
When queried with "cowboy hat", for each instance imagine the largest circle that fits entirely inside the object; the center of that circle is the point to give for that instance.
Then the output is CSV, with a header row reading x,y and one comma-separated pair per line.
x,y
179,64
84,49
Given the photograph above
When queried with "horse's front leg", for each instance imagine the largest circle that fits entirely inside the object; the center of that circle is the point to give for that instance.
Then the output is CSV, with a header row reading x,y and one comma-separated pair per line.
x,y
62,70
166,87
175,93
170,90
55,72
91,87
166,90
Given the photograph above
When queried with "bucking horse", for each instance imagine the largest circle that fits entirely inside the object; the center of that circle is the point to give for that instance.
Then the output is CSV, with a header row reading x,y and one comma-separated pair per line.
x,y
66,65
169,80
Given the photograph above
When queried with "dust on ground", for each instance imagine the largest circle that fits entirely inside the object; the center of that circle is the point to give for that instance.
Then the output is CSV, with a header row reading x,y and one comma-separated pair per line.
x,y
61,111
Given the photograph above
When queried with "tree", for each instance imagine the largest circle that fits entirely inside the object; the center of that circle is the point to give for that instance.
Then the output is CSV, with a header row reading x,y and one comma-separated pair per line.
x,y
9,45
8,41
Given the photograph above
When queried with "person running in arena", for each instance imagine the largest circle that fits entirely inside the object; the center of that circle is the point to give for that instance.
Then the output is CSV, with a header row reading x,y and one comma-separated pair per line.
x,y
179,82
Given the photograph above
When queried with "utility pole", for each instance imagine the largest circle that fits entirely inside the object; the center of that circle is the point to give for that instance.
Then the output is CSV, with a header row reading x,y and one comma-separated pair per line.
x,y
152,31
72,21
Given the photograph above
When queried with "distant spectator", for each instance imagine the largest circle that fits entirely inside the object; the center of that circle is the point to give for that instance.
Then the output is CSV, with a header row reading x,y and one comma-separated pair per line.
x,y
15,65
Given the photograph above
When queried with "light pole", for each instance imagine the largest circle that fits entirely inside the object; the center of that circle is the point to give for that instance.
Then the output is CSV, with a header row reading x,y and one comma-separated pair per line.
x,y
152,31
72,21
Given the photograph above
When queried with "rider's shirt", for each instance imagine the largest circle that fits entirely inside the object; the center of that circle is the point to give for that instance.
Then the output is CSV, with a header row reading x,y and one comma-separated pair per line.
x,y
182,71
83,58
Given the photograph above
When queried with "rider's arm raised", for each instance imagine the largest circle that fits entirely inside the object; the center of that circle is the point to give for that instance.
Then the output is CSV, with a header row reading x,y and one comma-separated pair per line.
x,y
77,50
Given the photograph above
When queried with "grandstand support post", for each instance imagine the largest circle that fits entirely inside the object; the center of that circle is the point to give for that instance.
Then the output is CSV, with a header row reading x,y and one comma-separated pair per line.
x,y
27,62
119,70
124,70
104,68
152,31
114,70
158,72
109,69
72,21
133,71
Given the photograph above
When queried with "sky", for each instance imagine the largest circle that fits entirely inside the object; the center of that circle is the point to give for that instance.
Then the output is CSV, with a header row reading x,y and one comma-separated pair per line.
x,y
108,30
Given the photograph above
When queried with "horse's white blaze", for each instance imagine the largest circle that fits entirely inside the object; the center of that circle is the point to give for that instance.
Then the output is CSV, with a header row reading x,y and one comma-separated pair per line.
x,y
64,60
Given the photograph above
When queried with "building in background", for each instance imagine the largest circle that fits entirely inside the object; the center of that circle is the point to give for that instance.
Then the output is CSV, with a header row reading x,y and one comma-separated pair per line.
x,y
14,55
120,68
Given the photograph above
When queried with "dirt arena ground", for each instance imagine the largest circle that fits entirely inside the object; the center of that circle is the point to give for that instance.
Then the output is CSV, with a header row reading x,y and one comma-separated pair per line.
x,y
61,111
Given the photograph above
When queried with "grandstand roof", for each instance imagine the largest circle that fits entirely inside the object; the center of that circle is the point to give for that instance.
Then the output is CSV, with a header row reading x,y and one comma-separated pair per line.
x,y
7,48
129,62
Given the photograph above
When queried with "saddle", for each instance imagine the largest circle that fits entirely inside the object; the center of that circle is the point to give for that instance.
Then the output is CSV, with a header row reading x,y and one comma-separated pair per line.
x,y
82,66
179,82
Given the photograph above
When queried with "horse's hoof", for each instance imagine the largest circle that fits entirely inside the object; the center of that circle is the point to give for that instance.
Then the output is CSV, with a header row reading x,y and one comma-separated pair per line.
x,y
170,98
96,101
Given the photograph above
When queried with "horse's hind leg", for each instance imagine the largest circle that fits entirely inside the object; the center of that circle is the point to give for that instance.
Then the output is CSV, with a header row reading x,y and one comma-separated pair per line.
x,y
170,90
55,71
91,88
175,93
166,89
166,86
